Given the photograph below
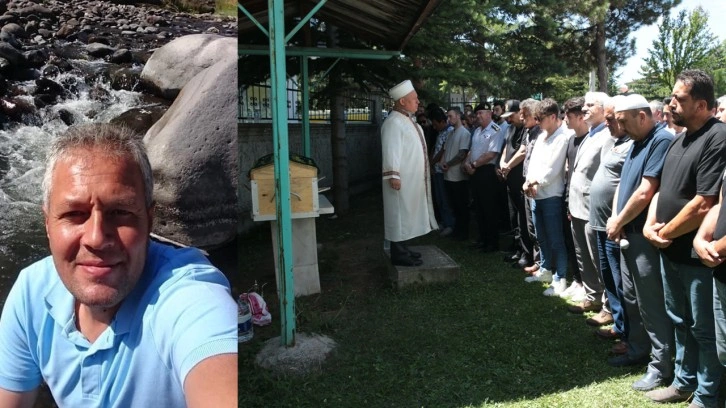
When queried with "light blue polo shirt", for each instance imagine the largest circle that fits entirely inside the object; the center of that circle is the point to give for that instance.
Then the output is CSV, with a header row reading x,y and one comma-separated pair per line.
x,y
179,313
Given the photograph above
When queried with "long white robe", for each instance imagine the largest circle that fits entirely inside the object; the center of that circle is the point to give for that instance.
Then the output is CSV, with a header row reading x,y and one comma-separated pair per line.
x,y
408,212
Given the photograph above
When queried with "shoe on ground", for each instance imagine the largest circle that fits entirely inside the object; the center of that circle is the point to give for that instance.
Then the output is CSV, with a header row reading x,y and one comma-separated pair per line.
x,y
619,348
585,306
627,361
522,262
670,394
580,295
571,289
446,232
556,288
542,275
608,334
649,381
531,269
601,319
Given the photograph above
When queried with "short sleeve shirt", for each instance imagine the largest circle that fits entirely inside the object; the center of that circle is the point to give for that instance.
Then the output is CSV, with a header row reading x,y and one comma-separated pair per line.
x,y
645,159
458,140
179,313
693,166
605,182
440,140
485,140
719,272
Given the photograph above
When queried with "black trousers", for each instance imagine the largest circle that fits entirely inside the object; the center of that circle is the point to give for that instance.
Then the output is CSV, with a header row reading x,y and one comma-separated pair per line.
x,y
515,180
458,193
485,189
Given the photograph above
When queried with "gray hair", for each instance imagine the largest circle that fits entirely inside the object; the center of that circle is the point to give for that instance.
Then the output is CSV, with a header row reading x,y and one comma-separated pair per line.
x,y
599,98
656,105
117,141
529,104
721,101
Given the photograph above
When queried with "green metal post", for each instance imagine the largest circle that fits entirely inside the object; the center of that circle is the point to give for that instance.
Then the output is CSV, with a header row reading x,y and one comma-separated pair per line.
x,y
252,18
282,170
305,20
305,106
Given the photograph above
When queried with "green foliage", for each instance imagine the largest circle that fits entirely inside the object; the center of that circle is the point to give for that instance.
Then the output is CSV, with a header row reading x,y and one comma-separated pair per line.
x,y
684,42
566,87
719,82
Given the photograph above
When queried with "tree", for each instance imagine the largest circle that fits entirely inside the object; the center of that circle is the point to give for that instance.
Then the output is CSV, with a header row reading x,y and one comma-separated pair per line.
x,y
684,42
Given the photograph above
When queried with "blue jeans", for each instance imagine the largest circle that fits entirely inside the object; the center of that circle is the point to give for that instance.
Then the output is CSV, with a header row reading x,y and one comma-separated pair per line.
x,y
441,199
719,313
550,235
610,273
688,293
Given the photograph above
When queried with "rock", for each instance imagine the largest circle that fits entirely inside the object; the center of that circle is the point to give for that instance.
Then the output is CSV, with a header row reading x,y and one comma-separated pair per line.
x,y
125,78
50,70
174,64
99,50
35,9
141,119
35,58
66,116
15,29
121,55
10,39
196,192
48,86
11,54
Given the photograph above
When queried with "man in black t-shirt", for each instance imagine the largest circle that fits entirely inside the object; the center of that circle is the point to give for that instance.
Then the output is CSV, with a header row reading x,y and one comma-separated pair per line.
x,y
689,187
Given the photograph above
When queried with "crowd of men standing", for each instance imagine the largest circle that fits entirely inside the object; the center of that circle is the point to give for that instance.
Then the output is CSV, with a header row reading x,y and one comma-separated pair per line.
x,y
620,195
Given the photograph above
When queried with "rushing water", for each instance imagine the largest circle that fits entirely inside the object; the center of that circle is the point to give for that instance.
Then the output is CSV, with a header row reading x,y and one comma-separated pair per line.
x,y
22,154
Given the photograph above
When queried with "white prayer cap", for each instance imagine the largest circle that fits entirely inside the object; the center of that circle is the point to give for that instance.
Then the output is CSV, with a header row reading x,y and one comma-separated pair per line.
x,y
632,101
401,90
614,101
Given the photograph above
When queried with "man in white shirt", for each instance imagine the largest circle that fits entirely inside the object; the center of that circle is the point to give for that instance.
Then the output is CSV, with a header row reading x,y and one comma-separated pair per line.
x,y
545,182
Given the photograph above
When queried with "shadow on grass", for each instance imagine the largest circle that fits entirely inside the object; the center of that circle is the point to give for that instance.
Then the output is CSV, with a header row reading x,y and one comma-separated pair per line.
x,y
490,338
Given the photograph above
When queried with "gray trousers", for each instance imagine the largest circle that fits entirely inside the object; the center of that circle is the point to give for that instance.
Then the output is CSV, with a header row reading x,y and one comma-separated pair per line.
x,y
588,259
650,328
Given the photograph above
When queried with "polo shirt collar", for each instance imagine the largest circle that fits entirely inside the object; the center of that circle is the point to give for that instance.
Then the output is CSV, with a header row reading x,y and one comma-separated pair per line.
x,y
61,307
596,129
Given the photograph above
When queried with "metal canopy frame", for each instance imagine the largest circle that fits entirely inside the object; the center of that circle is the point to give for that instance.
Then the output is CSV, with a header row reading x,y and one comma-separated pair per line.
x,y
277,51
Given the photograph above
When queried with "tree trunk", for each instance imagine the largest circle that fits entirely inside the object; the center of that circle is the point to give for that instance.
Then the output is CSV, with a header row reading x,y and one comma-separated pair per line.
x,y
601,57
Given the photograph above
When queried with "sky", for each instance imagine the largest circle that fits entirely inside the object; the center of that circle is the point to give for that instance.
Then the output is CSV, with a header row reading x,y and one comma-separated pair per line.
x,y
644,37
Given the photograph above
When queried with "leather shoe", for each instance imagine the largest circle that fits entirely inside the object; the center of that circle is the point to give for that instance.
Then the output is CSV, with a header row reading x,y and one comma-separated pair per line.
x,y
585,306
601,319
608,334
649,381
619,348
405,260
627,361
670,394
531,269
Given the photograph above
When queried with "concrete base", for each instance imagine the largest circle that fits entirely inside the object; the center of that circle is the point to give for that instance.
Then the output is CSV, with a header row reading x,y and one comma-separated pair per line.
x,y
436,267
305,256
307,355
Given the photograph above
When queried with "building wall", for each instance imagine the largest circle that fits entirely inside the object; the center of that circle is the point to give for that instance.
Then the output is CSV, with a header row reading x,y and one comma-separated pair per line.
x,y
363,147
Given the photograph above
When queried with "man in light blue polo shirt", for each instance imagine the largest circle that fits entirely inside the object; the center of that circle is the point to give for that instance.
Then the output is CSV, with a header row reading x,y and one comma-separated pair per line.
x,y
112,319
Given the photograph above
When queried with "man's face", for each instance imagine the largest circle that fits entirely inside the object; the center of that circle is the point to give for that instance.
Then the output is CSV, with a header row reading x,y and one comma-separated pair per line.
x,y
98,226
484,117
515,119
612,123
497,112
454,117
721,112
667,116
410,102
629,122
683,106
527,118
594,112
574,119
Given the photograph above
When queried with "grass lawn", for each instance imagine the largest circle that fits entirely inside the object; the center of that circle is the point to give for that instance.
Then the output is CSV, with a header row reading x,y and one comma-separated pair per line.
x,y
488,340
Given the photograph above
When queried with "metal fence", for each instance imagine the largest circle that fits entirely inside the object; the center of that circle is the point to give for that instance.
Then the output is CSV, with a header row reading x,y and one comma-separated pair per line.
x,y
255,105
